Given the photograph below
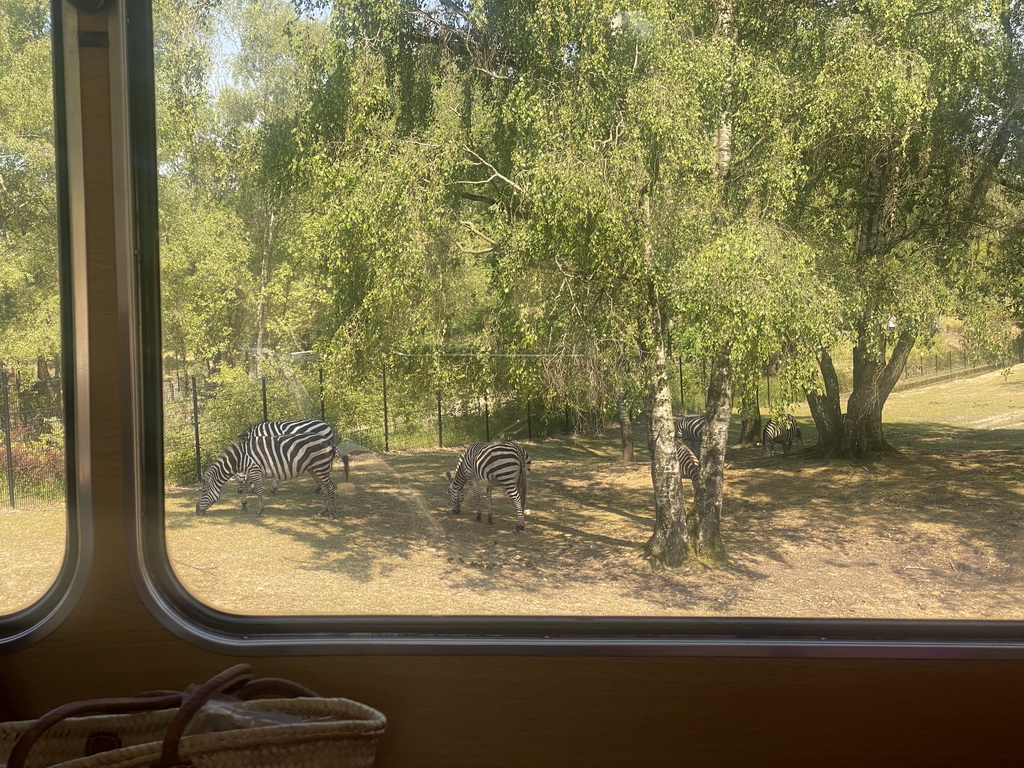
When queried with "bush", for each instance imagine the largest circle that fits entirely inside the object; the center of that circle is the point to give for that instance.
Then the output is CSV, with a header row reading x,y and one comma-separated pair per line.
x,y
36,461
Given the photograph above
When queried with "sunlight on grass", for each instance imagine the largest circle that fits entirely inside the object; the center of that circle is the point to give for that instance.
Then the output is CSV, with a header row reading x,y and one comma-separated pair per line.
x,y
33,539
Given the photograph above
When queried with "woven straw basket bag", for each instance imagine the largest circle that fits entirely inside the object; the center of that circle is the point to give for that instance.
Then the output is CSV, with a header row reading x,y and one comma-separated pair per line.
x,y
296,728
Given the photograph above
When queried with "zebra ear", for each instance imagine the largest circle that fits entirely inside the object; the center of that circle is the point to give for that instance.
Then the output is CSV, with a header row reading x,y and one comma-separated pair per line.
x,y
448,476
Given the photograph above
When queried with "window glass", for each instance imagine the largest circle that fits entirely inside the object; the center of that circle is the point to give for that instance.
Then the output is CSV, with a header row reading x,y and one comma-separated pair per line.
x,y
33,494
740,281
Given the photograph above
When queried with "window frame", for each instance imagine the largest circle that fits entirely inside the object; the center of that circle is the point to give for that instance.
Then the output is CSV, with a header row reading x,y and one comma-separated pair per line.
x,y
204,626
30,624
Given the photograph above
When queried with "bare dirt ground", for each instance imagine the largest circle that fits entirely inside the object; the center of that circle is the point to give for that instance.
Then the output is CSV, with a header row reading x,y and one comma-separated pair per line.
x,y
933,533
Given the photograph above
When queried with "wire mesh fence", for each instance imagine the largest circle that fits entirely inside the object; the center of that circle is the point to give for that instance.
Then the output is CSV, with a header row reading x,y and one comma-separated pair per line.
x,y
204,415
32,468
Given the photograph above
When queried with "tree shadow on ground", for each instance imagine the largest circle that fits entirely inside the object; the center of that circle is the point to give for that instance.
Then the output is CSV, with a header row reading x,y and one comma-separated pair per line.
x,y
589,516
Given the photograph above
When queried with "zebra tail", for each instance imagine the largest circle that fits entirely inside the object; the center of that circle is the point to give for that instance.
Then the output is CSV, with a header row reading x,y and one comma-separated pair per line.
x,y
345,462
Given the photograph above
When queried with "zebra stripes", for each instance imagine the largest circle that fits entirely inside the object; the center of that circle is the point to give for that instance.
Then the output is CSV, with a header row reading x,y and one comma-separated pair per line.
x,y
505,464
689,464
282,457
690,429
785,433
295,427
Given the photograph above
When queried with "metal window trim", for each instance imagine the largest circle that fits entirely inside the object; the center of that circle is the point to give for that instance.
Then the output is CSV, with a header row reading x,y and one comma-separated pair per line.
x,y
199,624
29,625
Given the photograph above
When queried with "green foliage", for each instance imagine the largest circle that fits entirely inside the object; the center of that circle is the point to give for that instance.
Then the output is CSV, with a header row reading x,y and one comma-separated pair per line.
x,y
29,310
518,198
207,285
753,289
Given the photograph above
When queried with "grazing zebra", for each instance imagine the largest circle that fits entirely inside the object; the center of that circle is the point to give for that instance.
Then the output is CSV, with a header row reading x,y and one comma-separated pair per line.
x,y
786,433
689,464
282,457
690,429
296,427
504,464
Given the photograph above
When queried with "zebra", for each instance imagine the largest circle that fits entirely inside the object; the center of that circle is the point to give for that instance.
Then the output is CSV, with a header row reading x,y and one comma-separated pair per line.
x,y
295,427
775,432
690,429
275,456
689,464
505,464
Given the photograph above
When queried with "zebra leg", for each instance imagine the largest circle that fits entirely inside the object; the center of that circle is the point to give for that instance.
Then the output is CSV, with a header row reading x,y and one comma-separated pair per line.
x,y
521,505
476,499
257,483
786,447
327,488
490,517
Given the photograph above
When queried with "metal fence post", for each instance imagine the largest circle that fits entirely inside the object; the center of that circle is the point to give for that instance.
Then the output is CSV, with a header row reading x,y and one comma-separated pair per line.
x,y
195,423
323,410
682,399
384,372
487,420
7,438
440,433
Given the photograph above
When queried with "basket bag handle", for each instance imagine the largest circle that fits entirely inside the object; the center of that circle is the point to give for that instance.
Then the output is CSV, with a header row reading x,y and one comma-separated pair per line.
x,y
237,681
235,677
111,706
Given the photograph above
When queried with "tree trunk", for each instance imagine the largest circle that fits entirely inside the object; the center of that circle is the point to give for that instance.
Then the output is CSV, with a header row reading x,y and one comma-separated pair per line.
x,y
667,545
873,378
706,520
873,381
625,428
750,418
704,523
825,408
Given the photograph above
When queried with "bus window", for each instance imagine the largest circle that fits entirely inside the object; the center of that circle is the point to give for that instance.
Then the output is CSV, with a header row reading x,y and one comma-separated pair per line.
x,y
513,311
35,492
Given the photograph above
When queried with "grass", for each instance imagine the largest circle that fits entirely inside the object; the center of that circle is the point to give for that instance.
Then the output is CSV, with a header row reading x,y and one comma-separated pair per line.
x,y
933,533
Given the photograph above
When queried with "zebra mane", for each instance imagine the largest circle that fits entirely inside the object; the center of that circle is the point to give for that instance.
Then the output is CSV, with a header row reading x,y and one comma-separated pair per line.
x,y
224,466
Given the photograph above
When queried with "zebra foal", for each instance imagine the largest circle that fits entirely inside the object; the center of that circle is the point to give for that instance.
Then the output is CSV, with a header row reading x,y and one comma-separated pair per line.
x,y
785,432
280,457
505,464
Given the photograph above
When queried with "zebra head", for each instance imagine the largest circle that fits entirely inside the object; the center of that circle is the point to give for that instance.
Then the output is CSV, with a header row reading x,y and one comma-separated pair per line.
x,y
455,491
208,494
223,468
